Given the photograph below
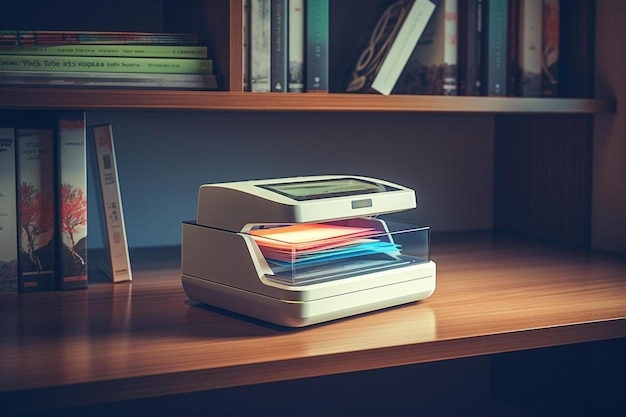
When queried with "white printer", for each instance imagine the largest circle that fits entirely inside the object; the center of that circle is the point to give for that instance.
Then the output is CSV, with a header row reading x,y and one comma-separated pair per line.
x,y
304,250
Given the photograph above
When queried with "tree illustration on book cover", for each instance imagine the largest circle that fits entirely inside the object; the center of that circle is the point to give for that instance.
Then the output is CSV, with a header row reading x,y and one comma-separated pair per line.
x,y
73,226
36,217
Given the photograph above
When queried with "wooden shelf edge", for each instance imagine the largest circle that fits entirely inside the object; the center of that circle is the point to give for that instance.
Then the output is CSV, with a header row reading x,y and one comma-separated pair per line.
x,y
92,99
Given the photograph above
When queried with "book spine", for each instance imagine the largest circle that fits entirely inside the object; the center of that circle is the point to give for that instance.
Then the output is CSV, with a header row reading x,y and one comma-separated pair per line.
x,y
111,198
36,210
513,72
403,45
316,49
245,47
8,213
260,45
496,47
51,37
109,79
470,14
479,83
72,201
450,47
550,48
295,22
279,58
135,51
530,47
105,64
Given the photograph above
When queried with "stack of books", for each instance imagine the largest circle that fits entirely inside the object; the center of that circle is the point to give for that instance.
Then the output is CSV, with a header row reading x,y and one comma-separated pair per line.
x,y
105,59
285,45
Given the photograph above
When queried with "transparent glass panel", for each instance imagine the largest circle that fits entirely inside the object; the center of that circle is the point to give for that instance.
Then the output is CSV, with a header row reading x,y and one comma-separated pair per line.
x,y
301,254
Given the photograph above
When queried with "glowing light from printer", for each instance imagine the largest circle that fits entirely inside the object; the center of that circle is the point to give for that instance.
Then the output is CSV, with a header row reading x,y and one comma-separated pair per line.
x,y
311,190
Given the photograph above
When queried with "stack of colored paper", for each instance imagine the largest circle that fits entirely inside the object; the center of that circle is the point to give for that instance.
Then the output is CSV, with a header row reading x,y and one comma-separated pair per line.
x,y
302,244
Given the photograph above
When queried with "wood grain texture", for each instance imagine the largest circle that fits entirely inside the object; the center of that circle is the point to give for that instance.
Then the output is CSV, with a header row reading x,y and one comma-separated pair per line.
x,y
89,99
145,338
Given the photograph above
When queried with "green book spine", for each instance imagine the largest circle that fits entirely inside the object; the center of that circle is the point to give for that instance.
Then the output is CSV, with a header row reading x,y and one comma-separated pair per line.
x,y
496,57
136,51
105,64
316,60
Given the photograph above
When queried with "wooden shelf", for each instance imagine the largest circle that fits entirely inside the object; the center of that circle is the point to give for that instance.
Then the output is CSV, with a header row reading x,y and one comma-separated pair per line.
x,y
145,338
88,99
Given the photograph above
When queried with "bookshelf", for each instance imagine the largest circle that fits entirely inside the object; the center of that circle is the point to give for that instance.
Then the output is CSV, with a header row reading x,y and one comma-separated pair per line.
x,y
554,136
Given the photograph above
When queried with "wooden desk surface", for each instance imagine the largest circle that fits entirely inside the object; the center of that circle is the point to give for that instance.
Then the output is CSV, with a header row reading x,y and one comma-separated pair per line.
x,y
145,338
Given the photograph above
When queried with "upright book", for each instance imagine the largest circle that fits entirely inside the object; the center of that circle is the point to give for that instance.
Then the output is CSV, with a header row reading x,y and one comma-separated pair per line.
x,y
530,27
119,266
316,49
470,47
260,45
432,66
72,201
279,52
8,213
295,23
550,48
389,47
36,210
495,50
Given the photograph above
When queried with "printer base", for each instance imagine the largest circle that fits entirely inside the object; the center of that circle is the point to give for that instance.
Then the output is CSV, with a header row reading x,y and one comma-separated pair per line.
x,y
305,313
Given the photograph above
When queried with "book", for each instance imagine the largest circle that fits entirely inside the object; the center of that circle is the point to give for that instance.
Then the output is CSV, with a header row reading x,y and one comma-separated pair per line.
x,y
550,48
316,47
470,47
260,45
8,213
512,65
279,52
36,209
110,80
432,66
111,199
295,22
530,27
136,51
245,45
495,50
57,37
105,64
72,201
389,47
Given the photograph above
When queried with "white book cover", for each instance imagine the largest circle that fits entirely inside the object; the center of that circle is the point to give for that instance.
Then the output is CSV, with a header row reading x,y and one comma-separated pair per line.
x,y
36,209
72,192
530,47
296,46
8,213
403,45
112,203
260,45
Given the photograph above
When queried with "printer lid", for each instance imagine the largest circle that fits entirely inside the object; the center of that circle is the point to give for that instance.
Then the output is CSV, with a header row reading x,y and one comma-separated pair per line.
x,y
236,205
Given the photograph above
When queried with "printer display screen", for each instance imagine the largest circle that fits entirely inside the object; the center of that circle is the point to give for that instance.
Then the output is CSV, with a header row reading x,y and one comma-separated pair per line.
x,y
340,187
